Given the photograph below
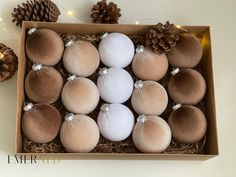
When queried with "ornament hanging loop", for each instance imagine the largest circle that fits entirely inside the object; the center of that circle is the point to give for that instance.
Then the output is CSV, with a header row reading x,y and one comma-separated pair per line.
x,y
175,71
140,49
31,31
105,108
69,43
103,71
27,106
104,35
141,118
69,116
36,66
71,78
138,84
177,106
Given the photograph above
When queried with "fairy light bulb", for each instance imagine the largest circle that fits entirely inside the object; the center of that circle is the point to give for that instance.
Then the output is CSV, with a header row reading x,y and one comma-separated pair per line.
x,y
70,13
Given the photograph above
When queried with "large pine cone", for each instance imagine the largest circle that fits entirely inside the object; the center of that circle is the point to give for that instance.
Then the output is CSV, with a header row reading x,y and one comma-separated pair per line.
x,y
161,38
105,13
8,62
35,10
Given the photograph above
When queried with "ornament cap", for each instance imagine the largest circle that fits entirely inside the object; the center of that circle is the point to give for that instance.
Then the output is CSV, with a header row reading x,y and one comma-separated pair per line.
x,y
69,43
31,31
71,78
105,107
36,66
175,71
141,118
69,116
177,106
138,84
140,49
27,106
103,71
104,35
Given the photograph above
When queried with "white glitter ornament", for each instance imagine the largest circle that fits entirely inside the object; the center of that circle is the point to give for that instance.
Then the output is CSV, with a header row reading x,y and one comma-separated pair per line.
x,y
115,121
116,50
115,85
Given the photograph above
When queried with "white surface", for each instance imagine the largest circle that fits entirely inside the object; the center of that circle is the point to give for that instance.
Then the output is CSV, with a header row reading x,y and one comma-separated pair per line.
x,y
220,15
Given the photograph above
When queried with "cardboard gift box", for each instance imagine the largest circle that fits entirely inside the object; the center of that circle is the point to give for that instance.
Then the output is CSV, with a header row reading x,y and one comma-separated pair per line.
x,y
203,32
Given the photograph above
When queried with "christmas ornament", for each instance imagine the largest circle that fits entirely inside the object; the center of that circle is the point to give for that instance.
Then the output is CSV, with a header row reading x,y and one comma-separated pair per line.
x,y
43,84
151,134
79,133
149,97
115,121
116,50
188,124
81,58
186,86
44,46
41,122
80,95
35,10
162,38
115,85
8,63
104,12
147,65
187,53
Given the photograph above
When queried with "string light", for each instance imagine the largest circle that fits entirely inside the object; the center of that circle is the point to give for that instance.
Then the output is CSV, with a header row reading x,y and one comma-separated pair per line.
x,y
1,55
70,13
137,22
180,27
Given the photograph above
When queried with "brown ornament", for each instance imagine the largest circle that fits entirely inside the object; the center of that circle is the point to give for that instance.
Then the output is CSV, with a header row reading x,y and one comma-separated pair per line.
x,y
188,124
35,10
8,63
44,46
187,53
104,12
161,38
186,86
41,122
43,84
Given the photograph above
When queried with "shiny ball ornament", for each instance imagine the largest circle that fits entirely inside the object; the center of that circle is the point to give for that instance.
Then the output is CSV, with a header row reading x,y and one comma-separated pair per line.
x,y
79,133
187,53
43,84
149,97
147,65
115,85
81,58
186,86
115,121
116,50
44,46
41,122
188,124
80,95
151,134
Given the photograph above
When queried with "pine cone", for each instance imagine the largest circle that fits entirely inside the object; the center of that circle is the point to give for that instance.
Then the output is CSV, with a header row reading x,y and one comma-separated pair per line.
x,y
105,13
8,62
161,38
35,10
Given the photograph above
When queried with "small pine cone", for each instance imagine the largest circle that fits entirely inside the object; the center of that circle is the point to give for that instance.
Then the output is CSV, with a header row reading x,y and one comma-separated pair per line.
x,y
161,38
35,10
105,13
8,63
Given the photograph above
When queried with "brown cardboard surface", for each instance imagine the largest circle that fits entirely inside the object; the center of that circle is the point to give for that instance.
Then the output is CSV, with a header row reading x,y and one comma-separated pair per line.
x,y
211,147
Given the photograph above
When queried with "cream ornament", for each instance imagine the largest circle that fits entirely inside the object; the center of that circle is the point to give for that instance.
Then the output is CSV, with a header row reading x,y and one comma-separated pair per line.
x,y
116,50
80,95
147,65
81,58
151,134
115,85
115,121
149,98
79,133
